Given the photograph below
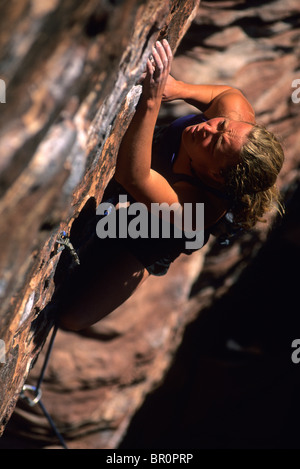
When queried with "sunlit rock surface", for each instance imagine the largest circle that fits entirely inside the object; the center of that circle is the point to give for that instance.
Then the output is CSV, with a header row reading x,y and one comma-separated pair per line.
x,y
70,72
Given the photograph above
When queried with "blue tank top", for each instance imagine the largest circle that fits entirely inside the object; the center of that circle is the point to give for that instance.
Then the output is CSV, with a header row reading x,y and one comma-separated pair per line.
x,y
166,148
167,143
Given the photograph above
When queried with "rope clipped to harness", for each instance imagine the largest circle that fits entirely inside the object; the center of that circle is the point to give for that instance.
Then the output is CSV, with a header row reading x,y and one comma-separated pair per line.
x,y
64,242
36,392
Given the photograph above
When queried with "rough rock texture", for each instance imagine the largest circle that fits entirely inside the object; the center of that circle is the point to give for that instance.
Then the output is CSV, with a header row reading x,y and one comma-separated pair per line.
x,y
70,70
230,383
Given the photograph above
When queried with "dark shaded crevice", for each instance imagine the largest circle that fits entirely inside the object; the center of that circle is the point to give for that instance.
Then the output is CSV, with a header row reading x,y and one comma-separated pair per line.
x,y
218,397
260,28
239,5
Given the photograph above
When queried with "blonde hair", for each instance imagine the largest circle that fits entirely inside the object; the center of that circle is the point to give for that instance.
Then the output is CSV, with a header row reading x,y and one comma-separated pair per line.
x,y
252,183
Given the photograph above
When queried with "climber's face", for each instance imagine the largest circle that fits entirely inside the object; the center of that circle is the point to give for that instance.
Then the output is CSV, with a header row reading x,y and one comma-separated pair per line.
x,y
214,145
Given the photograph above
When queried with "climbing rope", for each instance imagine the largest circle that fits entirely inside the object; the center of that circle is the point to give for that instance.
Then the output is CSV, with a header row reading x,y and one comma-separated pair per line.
x,y
37,392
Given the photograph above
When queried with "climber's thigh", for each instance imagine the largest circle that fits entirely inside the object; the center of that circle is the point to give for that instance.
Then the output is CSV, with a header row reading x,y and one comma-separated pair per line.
x,y
101,290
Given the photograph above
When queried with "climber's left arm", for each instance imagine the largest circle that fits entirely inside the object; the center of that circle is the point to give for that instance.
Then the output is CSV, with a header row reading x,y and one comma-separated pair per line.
x,y
214,100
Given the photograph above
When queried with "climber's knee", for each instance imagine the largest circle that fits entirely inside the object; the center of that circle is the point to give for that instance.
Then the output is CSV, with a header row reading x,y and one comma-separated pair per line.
x,y
69,324
102,294
75,318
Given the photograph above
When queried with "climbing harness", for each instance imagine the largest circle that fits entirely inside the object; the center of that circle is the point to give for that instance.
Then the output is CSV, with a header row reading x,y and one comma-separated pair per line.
x,y
65,242
37,392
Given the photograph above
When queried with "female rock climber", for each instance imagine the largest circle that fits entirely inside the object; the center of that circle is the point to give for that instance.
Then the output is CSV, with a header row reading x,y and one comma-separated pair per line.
x,y
221,158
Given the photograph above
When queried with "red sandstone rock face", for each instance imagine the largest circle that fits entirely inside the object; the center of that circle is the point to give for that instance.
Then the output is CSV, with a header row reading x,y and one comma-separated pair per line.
x,y
70,95
96,381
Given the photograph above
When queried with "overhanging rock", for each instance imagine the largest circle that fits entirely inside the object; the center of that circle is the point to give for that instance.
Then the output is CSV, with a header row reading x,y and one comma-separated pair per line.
x,y
70,74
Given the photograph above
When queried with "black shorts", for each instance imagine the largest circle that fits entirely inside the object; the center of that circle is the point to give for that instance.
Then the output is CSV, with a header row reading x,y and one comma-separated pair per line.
x,y
155,253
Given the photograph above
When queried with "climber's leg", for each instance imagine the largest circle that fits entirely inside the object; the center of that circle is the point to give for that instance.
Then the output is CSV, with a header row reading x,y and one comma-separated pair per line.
x,y
99,289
